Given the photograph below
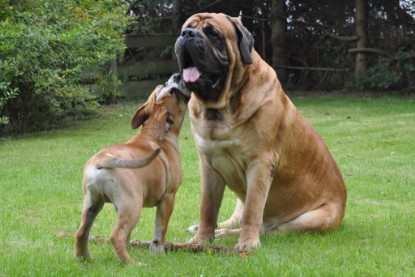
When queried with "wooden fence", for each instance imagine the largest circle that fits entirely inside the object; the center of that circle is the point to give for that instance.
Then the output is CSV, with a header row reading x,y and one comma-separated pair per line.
x,y
139,76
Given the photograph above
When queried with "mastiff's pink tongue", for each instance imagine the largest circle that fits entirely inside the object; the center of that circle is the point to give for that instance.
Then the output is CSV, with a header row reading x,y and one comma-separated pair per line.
x,y
191,74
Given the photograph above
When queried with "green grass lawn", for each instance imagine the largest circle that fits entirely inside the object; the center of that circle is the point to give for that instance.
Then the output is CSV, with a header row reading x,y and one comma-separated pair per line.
x,y
373,141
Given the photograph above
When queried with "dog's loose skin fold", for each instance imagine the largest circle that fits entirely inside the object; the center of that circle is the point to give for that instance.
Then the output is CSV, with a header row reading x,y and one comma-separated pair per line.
x,y
251,138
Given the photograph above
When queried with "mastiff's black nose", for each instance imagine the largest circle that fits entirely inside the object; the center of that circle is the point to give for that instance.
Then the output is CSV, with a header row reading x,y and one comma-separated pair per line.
x,y
189,33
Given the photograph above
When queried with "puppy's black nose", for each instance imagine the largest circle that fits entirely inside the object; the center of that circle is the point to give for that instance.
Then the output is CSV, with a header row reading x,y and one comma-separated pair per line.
x,y
176,77
189,33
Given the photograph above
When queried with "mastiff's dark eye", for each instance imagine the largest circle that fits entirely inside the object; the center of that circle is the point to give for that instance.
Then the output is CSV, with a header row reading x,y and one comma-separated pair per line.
x,y
215,37
211,31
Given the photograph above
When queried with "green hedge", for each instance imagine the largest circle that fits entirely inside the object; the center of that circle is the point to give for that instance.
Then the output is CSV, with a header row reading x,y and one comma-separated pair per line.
x,y
45,46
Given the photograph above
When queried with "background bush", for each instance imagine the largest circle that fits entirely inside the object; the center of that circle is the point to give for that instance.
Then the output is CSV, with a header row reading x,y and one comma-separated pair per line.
x,y
389,73
45,47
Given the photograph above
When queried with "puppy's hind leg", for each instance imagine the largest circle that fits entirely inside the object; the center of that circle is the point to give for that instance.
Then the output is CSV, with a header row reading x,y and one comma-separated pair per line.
x,y
164,211
128,213
90,209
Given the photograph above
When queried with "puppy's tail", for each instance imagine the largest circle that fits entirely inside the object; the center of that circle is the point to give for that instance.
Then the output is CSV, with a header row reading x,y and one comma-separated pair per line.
x,y
115,162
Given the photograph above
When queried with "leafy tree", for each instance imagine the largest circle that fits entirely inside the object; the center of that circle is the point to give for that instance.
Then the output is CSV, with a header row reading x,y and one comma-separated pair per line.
x,y
45,47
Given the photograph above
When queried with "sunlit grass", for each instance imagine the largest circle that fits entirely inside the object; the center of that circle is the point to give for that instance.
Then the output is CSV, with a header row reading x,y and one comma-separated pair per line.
x,y
371,139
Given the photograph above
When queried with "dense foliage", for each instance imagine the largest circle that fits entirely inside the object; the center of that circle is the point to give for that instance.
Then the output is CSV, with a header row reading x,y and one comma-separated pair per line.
x,y
45,46
319,36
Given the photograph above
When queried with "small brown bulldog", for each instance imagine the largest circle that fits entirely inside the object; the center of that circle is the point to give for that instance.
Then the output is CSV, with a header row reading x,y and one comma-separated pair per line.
x,y
144,172
250,137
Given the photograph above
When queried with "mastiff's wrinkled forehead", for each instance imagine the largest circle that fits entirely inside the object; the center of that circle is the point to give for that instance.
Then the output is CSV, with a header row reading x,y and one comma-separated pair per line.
x,y
209,49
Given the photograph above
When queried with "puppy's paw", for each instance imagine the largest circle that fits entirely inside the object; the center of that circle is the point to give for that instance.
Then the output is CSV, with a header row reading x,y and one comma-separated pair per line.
x,y
83,256
157,248
247,245
193,229
133,262
83,259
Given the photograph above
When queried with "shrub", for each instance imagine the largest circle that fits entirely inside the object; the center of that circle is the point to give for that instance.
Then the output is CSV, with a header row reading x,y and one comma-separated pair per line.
x,y
45,44
396,72
379,77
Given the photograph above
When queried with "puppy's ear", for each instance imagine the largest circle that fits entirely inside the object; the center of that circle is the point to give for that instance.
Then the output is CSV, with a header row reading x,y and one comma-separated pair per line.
x,y
143,112
140,116
245,41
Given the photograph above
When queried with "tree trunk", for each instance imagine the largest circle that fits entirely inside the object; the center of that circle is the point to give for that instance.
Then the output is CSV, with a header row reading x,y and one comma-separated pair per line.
x,y
247,14
361,33
279,38
178,18
178,15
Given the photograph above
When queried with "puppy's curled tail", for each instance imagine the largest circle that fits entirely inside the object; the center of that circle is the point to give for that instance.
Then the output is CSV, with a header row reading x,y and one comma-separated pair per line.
x,y
115,162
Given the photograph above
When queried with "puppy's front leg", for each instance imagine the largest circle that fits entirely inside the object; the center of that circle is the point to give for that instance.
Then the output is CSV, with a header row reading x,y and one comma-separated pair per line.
x,y
213,187
259,178
164,211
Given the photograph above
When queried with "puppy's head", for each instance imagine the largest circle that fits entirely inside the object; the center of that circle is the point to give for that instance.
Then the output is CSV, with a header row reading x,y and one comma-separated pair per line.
x,y
165,108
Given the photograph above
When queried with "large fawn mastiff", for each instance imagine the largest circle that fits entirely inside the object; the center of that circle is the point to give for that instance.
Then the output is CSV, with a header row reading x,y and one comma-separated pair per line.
x,y
250,137
144,172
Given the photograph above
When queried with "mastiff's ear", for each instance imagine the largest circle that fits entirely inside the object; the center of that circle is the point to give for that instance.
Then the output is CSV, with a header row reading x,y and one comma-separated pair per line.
x,y
245,41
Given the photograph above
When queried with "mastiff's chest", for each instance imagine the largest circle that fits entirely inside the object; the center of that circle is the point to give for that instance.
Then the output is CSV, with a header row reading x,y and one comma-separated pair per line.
x,y
221,144
214,132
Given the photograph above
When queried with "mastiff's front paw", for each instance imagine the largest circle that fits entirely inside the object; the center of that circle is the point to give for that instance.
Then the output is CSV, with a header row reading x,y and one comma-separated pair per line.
x,y
195,240
199,239
247,245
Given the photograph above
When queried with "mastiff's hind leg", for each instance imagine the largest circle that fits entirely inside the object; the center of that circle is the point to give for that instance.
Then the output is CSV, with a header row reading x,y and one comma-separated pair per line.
x,y
327,217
